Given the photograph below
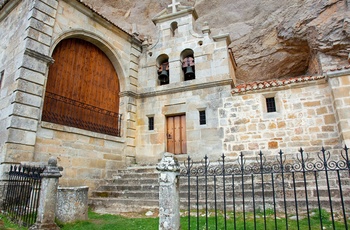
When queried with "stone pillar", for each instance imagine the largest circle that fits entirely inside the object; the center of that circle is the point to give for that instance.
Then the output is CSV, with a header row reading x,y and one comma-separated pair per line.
x,y
48,197
169,193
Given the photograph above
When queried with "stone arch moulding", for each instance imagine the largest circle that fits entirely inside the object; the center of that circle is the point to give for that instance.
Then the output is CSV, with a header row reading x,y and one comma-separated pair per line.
x,y
185,53
113,55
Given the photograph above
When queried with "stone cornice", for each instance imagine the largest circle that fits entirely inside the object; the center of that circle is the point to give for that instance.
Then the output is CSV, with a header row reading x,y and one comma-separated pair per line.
x,y
338,72
129,94
39,56
177,89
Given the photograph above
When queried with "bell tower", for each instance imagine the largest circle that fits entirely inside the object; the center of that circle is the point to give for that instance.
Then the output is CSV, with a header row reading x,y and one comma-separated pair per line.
x,y
183,77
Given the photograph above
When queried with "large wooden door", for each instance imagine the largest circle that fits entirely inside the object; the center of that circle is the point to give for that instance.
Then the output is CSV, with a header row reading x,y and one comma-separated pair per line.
x,y
82,88
176,134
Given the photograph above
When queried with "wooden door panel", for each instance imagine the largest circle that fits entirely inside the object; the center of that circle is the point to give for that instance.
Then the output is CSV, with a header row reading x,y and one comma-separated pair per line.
x,y
183,134
170,135
176,134
82,88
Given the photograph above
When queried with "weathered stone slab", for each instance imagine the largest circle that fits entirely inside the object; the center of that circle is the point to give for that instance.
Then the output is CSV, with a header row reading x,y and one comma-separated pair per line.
x,y
72,204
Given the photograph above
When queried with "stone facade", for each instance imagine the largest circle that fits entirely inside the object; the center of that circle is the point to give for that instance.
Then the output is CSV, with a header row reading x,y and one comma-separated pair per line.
x,y
303,119
311,112
214,77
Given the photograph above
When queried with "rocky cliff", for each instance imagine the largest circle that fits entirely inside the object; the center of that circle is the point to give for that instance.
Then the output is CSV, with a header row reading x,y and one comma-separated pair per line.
x,y
270,38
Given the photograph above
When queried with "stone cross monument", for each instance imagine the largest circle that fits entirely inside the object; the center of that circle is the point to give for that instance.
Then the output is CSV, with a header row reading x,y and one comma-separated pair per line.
x,y
173,5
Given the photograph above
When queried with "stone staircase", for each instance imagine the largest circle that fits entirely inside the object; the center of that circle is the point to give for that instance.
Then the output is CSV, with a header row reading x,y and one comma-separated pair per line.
x,y
136,189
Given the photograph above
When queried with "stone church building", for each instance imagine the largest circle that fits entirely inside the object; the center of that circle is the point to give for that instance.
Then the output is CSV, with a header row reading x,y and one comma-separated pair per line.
x,y
76,86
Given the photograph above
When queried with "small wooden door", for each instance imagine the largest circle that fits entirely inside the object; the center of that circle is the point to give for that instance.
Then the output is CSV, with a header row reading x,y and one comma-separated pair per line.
x,y
176,134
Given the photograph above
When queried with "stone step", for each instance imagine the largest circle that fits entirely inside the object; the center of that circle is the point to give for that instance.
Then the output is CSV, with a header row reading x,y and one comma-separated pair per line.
x,y
137,195
132,187
138,169
120,205
259,204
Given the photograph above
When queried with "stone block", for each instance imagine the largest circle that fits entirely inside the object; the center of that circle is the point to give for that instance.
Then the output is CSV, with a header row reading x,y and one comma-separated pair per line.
x,y
85,173
32,76
41,16
329,119
27,99
39,37
321,110
273,145
341,92
72,204
315,129
97,163
26,111
17,152
21,136
114,157
34,64
41,26
312,103
343,113
29,87
47,6
327,128
23,123
37,46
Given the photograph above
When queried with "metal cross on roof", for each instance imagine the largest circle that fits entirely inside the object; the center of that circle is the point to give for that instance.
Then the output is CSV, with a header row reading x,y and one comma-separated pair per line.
x,y
173,5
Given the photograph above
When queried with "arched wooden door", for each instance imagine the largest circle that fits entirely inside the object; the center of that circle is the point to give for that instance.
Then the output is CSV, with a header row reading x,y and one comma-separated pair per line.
x,y
82,88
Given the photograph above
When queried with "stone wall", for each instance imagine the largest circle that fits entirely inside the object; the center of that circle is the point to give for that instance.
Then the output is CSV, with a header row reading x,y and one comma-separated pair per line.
x,y
201,139
305,118
87,158
11,51
25,61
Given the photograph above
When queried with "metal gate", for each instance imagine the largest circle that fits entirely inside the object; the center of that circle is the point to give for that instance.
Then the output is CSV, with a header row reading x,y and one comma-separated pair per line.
x,y
22,194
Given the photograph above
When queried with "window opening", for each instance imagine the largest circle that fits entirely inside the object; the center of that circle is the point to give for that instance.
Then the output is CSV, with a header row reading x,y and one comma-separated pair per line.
x,y
270,105
202,118
173,28
150,123
188,65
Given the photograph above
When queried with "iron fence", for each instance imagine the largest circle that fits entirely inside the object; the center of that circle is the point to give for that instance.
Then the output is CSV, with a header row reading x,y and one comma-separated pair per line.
x,y
288,191
22,194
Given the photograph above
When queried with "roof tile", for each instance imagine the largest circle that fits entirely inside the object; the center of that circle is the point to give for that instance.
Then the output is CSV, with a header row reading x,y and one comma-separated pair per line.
x,y
273,83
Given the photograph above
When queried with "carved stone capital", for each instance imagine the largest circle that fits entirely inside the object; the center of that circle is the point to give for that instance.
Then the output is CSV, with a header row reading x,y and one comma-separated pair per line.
x,y
168,163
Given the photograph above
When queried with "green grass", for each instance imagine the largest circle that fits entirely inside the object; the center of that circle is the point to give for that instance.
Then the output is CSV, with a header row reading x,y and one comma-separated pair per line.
x,y
114,222
6,224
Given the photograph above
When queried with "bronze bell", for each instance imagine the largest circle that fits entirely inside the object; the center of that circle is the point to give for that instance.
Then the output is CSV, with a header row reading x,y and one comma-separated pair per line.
x,y
163,74
189,74
163,77
188,68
